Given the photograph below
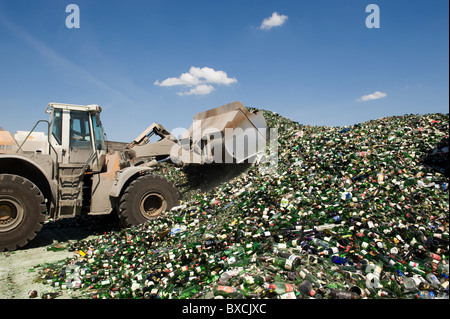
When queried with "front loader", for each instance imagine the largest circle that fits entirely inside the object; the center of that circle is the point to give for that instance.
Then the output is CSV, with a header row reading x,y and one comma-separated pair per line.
x,y
68,170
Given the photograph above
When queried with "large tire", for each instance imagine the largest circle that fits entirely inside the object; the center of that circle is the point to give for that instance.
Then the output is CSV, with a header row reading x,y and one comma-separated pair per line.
x,y
22,211
146,198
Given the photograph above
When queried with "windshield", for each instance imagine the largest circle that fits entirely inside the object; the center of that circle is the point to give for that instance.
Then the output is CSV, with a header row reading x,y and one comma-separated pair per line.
x,y
98,132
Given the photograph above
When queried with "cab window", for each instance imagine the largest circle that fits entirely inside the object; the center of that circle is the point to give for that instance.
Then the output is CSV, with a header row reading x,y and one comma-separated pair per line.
x,y
98,133
57,126
80,131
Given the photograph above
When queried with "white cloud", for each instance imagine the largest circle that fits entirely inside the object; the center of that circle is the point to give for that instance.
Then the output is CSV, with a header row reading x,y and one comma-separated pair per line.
x,y
202,89
186,79
275,20
374,96
199,79
211,76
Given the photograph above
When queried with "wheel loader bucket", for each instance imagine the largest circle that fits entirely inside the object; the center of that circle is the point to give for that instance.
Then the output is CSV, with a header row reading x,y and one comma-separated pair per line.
x,y
226,134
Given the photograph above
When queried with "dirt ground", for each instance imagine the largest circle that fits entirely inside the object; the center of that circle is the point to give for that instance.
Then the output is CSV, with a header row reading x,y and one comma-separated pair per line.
x,y
20,269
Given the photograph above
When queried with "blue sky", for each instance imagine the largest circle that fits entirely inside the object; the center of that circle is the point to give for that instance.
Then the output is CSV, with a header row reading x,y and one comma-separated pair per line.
x,y
163,61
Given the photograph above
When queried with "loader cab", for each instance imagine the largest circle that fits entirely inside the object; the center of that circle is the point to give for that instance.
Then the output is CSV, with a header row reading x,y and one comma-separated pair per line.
x,y
77,135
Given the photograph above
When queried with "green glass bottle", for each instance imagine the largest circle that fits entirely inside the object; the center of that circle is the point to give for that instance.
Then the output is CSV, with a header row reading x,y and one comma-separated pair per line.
x,y
190,292
286,263
281,288
251,282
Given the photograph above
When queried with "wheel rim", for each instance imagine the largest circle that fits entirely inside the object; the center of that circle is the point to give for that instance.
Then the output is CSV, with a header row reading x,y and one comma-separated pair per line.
x,y
152,205
11,213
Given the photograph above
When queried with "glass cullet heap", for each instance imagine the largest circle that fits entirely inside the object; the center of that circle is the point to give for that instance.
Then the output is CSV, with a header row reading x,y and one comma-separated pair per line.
x,y
349,213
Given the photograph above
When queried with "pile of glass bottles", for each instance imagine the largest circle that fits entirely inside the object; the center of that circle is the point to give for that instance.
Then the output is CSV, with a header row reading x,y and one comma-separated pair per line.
x,y
350,212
